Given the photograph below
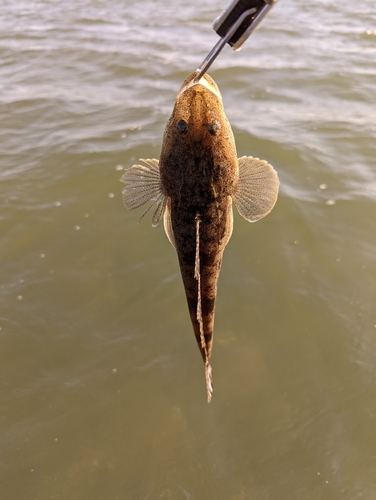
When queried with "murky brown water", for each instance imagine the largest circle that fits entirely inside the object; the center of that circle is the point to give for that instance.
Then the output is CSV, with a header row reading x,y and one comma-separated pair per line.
x,y
102,387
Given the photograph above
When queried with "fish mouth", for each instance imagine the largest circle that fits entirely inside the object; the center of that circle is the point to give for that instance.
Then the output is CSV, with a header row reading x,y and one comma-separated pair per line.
x,y
206,81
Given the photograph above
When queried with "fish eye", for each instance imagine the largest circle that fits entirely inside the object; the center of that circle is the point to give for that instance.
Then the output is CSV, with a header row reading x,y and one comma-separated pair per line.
x,y
214,127
182,126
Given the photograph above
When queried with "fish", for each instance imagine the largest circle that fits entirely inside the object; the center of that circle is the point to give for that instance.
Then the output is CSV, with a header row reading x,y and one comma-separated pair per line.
x,y
192,188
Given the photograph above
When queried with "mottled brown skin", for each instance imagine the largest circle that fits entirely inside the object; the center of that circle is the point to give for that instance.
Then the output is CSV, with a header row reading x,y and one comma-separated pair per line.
x,y
199,168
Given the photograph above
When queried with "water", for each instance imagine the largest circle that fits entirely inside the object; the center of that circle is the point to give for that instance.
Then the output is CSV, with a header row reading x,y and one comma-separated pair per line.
x,y
102,385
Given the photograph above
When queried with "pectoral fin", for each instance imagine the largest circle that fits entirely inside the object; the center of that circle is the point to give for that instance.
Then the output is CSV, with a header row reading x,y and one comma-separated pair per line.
x,y
257,188
142,185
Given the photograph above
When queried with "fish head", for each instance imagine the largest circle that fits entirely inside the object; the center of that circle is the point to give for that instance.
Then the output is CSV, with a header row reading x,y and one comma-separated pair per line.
x,y
205,81
197,133
198,114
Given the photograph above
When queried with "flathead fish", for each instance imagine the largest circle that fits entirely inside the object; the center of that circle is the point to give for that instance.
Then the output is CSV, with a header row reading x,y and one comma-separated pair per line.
x,y
192,187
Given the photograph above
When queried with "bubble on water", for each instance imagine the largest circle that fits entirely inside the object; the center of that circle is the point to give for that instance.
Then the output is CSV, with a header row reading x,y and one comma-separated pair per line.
x,y
330,202
57,203
19,297
86,214
119,167
114,370
42,255
323,186
338,259
56,439
296,242
21,280
123,135
77,228
111,195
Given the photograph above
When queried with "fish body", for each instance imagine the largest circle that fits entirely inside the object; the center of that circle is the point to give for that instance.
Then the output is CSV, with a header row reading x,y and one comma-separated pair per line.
x,y
193,186
198,168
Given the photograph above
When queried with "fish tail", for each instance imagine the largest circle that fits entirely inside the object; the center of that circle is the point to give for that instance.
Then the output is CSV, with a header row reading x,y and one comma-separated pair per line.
x,y
209,381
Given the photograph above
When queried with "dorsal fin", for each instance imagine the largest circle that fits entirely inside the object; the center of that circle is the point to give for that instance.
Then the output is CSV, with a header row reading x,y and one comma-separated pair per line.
x,y
208,368
257,189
